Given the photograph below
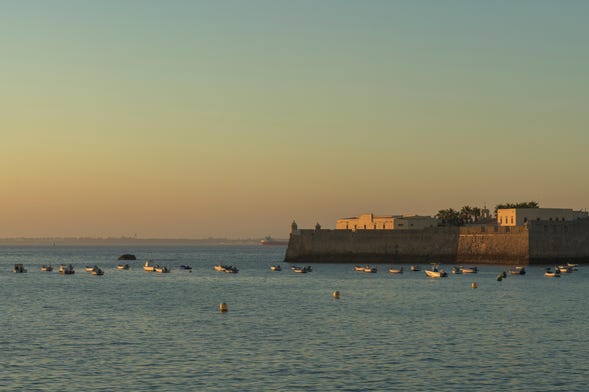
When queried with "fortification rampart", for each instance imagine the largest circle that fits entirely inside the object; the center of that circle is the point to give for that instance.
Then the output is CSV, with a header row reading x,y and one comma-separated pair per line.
x,y
536,243
445,244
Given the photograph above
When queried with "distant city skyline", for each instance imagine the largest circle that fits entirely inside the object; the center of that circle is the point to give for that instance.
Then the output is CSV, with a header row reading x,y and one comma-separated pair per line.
x,y
230,119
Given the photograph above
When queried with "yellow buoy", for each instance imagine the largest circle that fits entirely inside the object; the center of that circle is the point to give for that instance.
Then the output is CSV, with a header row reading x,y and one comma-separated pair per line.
x,y
223,307
336,294
474,285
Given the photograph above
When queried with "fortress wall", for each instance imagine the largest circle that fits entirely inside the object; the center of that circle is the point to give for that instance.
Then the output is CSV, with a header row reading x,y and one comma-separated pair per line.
x,y
559,242
493,245
372,246
444,245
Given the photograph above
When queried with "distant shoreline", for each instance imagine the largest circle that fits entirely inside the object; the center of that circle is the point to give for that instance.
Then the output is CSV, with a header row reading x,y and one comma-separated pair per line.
x,y
124,241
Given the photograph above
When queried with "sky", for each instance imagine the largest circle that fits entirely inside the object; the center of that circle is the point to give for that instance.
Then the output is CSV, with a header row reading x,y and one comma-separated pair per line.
x,y
194,119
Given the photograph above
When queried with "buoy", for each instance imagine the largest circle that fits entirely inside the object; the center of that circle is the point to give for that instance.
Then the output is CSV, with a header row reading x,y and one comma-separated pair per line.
x,y
474,285
223,307
336,294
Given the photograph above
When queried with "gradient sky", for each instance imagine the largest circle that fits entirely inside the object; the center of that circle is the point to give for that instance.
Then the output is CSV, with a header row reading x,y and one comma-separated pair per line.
x,y
232,118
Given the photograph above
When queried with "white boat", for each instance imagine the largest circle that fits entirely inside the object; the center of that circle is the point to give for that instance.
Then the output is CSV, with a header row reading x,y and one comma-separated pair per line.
x,y
469,270
517,270
564,269
370,270
226,268
275,268
46,268
66,269
123,267
97,271
415,268
393,270
435,272
149,266
162,270
572,266
90,268
552,274
299,270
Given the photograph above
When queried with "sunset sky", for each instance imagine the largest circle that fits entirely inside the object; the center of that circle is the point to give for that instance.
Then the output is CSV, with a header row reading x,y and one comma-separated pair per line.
x,y
232,118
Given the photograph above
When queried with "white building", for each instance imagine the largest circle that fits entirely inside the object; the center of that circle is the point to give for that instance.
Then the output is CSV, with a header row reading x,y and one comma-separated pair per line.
x,y
521,216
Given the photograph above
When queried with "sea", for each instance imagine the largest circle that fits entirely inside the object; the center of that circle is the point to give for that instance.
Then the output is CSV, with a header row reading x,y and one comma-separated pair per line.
x,y
138,331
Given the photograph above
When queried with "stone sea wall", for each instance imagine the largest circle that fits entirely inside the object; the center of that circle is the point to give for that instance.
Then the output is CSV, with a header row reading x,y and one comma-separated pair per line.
x,y
444,245
538,243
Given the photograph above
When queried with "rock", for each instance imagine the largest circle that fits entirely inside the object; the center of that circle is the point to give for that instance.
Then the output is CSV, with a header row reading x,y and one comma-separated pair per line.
x,y
128,256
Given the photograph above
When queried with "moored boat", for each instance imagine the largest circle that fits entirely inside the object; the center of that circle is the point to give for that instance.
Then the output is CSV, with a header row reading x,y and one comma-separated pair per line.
x,y
299,270
517,270
162,270
564,269
469,270
185,267
66,269
394,270
19,268
456,270
122,267
415,268
275,268
149,266
46,268
90,268
97,271
226,268
552,274
435,272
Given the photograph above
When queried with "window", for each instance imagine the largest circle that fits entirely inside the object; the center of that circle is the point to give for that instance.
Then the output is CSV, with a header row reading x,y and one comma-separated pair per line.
x,y
512,220
383,226
525,220
364,227
375,226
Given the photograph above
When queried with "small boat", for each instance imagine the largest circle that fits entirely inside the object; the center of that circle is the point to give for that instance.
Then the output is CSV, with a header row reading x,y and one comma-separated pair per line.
x,y
122,267
46,268
393,270
503,274
275,268
435,272
517,270
162,270
19,268
66,269
299,270
499,277
456,270
97,271
415,268
366,268
226,268
149,266
185,267
564,269
469,270
573,266
90,268
552,274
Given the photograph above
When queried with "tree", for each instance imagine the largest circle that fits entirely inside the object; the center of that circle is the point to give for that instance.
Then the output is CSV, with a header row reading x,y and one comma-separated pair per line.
x,y
526,204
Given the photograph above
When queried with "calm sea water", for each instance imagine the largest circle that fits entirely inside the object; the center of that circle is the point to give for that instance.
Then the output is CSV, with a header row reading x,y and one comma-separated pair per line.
x,y
135,331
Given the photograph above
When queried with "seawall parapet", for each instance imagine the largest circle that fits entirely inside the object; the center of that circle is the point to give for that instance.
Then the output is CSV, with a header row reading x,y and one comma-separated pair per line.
x,y
536,243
